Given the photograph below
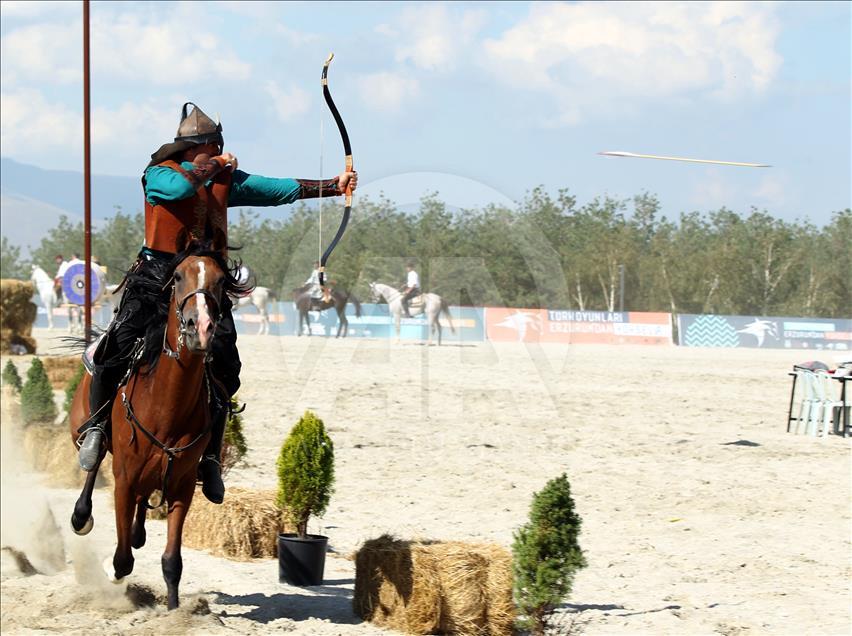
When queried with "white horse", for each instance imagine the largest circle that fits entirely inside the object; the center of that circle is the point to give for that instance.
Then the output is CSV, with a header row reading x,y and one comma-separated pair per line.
x,y
429,304
260,297
44,286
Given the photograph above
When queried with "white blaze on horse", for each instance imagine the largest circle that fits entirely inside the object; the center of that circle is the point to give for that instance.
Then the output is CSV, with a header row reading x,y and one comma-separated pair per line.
x,y
431,305
44,288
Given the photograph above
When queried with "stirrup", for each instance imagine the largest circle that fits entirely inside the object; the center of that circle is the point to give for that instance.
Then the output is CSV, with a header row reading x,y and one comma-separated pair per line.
x,y
90,442
214,487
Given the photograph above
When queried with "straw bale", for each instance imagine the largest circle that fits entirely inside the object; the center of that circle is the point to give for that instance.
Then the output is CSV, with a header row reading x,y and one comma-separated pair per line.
x,y
49,449
61,369
9,337
17,314
434,587
244,526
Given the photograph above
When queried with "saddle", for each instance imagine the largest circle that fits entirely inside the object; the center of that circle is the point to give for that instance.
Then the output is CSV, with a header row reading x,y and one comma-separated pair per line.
x,y
416,303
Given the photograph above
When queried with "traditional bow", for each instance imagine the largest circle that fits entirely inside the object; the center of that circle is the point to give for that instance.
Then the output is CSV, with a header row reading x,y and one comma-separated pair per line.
x,y
348,150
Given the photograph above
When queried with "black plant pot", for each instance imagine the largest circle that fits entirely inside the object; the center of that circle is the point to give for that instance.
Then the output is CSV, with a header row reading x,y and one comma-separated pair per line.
x,y
301,561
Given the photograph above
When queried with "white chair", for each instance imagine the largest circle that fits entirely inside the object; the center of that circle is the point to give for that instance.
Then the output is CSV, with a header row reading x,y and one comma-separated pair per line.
x,y
824,390
810,404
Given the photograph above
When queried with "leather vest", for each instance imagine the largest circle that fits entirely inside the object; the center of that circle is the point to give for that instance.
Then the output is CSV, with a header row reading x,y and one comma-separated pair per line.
x,y
164,221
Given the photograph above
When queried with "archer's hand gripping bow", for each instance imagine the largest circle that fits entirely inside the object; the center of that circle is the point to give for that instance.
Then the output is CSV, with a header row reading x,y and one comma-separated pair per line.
x,y
348,150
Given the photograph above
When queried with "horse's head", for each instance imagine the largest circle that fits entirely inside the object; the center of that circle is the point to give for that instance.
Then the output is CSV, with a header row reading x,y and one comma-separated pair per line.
x,y
374,290
198,300
202,279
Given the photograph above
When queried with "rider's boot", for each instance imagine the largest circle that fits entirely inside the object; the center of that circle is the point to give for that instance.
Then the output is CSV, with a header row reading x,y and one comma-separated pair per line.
x,y
210,468
101,394
405,309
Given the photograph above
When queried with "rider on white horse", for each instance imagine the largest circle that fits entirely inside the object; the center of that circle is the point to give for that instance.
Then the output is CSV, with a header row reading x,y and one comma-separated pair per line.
x,y
412,288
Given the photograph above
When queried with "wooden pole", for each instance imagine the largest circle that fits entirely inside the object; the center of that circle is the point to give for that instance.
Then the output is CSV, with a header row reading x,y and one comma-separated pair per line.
x,y
87,177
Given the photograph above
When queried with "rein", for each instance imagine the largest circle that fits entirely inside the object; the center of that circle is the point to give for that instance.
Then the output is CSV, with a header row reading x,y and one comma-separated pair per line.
x,y
170,452
175,354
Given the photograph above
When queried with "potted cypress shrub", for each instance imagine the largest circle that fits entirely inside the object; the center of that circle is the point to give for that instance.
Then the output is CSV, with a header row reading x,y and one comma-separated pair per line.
x,y
546,555
305,478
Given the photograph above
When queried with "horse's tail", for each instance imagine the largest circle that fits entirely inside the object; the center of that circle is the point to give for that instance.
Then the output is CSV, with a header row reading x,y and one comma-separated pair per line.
x,y
357,304
446,309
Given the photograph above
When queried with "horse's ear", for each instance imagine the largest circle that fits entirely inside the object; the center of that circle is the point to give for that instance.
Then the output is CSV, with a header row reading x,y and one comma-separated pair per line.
x,y
184,238
220,242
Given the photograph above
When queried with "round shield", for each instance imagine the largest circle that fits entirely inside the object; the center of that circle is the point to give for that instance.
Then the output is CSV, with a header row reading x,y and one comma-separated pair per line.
x,y
74,284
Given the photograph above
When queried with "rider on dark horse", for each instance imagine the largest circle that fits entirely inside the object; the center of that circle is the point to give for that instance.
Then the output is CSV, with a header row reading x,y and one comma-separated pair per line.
x,y
319,293
189,185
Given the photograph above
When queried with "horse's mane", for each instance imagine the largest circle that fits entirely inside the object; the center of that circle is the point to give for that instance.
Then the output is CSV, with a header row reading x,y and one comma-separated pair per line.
x,y
157,321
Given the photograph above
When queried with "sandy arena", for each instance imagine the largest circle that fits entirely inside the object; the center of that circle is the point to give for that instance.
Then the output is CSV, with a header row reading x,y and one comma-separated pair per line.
x,y
701,514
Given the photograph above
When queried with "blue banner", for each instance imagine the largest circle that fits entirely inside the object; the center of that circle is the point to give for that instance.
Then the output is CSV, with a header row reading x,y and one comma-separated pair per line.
x,y
375,322
767,332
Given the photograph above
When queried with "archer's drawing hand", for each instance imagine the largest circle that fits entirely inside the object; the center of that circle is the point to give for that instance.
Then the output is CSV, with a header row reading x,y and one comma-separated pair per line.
x,y
229,159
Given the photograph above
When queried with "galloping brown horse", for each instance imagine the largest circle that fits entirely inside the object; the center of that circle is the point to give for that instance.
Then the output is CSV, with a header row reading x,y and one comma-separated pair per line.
x,y
338,299
161,417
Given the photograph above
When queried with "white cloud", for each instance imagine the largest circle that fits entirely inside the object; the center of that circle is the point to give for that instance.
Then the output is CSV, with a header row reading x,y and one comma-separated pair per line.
x,y
27,9
711,189
52,51
433,36
771,190
387,91
163,52
49,134
124,46
584,54
288,104
31,127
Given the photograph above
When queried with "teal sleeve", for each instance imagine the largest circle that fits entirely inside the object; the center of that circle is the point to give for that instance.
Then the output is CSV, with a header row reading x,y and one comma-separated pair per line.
x,y
255,190
165,184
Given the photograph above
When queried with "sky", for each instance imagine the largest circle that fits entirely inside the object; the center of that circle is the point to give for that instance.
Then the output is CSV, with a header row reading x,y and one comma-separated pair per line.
x,y
480,102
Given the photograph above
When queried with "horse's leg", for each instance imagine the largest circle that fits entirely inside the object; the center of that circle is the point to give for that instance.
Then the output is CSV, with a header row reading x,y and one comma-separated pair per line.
x,y
308,322
342,323
264,323
125,503
137,534
171,560
81,519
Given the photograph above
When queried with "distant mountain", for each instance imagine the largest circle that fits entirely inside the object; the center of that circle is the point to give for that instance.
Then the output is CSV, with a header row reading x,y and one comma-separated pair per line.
x,y
32,199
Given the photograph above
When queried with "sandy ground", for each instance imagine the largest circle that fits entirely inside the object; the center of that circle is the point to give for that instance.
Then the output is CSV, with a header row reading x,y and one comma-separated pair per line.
x,y
701,514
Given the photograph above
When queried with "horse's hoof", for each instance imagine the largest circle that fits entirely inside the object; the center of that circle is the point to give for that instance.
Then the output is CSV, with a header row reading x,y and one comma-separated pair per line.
x,y
87,527
109,570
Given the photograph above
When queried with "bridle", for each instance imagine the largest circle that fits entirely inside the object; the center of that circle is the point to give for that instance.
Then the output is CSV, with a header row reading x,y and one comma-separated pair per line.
x,y
182,328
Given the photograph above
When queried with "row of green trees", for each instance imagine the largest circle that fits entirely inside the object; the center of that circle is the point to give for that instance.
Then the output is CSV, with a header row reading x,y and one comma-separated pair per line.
x,y
548,251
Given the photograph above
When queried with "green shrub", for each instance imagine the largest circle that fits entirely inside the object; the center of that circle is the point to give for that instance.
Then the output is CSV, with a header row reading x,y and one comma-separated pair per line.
x,y
11,377
37,403
546,555
305,472
71,389
234,446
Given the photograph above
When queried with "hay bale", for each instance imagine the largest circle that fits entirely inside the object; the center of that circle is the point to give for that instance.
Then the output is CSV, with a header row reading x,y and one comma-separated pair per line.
x,y
49,450
61,369
17,315
244,526
434,587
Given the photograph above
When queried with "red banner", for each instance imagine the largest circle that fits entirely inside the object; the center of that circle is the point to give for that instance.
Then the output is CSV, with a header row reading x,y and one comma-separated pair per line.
x,y
577,327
